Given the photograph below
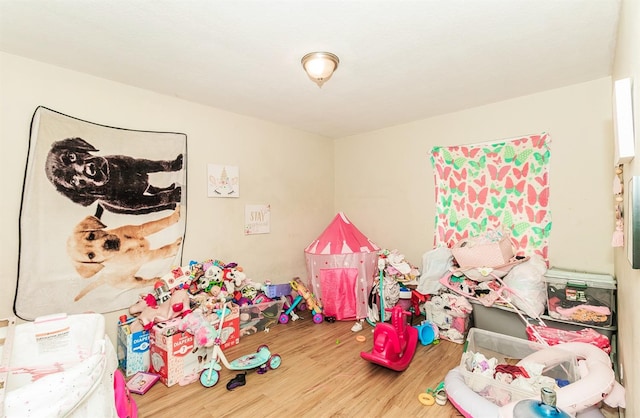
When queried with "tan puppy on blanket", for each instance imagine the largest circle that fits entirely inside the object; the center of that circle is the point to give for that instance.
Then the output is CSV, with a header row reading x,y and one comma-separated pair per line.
x,y
117,253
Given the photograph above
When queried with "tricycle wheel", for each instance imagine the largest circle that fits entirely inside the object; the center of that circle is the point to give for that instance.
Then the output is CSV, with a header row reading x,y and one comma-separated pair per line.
x,y
274,362
318,318
262,347
209,377
284,318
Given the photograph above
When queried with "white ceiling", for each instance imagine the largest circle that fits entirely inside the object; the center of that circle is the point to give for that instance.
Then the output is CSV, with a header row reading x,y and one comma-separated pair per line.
x,y
399,60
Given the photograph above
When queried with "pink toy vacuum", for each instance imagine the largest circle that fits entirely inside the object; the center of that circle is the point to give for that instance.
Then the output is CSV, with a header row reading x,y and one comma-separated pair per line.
x,y
393,344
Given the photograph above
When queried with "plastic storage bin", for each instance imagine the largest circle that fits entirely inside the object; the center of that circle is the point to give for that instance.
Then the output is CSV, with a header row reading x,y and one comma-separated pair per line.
x,y
259,316
583,298
504,320
508,350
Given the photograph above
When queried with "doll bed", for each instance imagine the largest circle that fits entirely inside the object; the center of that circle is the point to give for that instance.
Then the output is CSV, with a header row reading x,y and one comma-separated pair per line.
x,y
68,375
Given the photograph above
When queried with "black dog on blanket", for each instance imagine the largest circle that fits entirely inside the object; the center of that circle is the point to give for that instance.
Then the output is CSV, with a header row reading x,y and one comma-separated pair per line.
x,y
117,182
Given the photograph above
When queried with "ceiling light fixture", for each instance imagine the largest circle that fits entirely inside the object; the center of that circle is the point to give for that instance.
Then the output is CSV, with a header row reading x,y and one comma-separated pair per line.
x,y
320,66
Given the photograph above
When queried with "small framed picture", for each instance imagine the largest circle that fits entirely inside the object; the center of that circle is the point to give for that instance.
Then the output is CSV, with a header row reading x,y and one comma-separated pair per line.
x,y
223,180
141,382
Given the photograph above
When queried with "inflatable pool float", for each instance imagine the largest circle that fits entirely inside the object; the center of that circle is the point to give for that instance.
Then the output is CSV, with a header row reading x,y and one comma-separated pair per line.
x,y
597,383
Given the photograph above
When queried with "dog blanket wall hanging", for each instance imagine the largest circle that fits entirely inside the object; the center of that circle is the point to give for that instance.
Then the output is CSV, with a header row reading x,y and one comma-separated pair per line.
x,y
102,215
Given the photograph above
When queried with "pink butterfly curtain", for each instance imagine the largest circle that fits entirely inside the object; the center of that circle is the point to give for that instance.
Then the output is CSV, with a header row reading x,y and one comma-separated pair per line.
x,y
494,186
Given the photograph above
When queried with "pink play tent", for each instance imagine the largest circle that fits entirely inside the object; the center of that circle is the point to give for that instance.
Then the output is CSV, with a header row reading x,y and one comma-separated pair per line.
x,y
341,264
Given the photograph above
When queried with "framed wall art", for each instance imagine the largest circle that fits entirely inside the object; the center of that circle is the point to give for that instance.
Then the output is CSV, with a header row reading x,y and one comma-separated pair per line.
x,y
223,181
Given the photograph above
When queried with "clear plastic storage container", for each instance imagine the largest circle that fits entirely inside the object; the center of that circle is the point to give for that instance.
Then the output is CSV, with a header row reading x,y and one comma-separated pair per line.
x,y
507,350
584,298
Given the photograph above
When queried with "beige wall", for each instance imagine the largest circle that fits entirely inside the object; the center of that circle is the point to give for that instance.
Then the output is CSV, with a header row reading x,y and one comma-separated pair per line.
x,y
288,169
627,64
384,179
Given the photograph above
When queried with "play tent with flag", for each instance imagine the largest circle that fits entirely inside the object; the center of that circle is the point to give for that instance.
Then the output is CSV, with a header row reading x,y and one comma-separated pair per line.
x,y
341,265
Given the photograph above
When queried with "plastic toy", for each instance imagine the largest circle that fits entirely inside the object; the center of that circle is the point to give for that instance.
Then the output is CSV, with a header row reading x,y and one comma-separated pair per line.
x,y
428,332
277,290
393,344
433,396
303,295
381,264
289,309
175,278
262,359
126,406
545,407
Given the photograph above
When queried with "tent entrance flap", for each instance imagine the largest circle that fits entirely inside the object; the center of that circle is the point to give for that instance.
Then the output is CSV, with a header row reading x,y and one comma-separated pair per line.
x,y
339,292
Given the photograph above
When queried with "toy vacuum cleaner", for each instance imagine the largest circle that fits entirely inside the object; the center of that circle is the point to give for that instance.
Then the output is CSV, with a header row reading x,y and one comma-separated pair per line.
x,y
393,344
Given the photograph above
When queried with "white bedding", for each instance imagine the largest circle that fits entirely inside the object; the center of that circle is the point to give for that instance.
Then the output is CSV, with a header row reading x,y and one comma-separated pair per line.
x,y
76,381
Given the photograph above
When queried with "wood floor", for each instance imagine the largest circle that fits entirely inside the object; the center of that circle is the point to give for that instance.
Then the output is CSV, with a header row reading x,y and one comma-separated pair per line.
x,y
322,375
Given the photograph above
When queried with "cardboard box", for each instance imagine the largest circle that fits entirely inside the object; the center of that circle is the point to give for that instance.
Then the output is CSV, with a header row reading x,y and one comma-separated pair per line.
x,y
259,316
508,350
176,358
133,351
583,298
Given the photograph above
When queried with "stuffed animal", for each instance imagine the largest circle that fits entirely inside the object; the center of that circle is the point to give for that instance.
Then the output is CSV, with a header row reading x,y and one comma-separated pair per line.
x,y
249,289
204,301
435,312
148,312
203,332
233,277
213,276
143,302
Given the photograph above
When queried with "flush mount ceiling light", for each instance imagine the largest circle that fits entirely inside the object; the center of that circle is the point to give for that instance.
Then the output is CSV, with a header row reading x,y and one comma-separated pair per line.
x,y
320,66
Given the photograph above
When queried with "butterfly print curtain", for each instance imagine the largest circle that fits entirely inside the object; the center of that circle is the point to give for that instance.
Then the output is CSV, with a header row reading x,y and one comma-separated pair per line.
x,y
503,185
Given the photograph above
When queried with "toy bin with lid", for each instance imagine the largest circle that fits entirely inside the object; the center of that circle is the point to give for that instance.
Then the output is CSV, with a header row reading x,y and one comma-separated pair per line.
x,y
584,298
503,352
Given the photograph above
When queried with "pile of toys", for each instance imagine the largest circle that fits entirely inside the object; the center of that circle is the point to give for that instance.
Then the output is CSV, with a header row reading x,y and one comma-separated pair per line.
x,y
200,307
199,285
